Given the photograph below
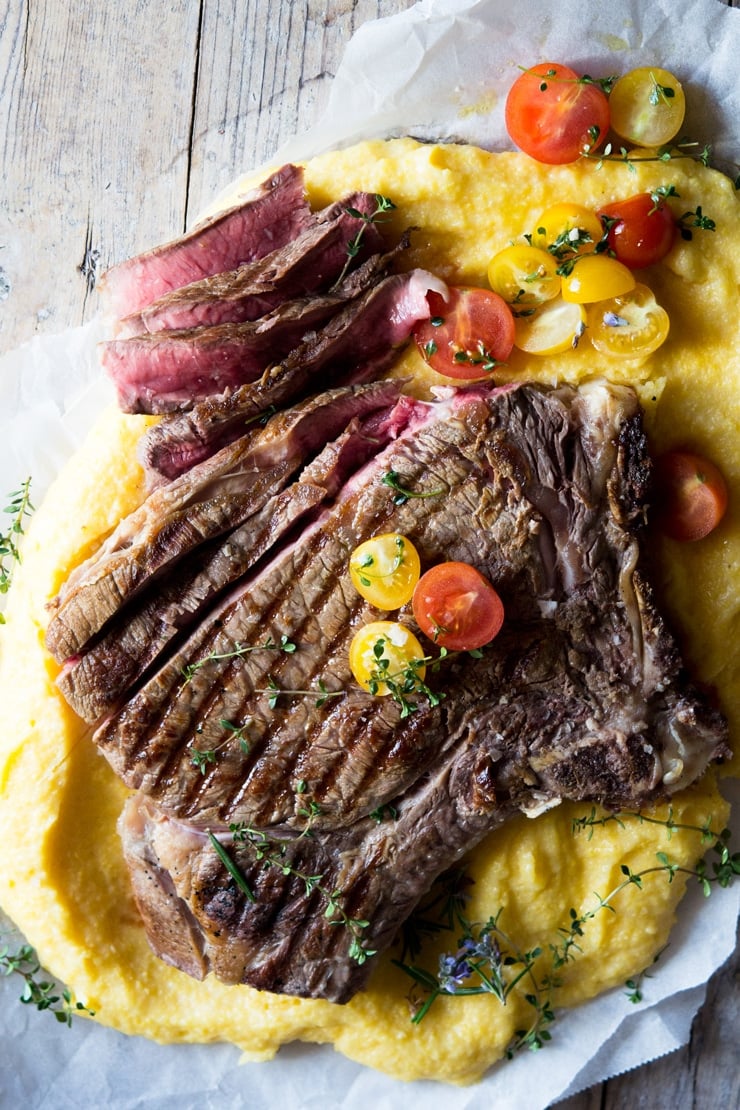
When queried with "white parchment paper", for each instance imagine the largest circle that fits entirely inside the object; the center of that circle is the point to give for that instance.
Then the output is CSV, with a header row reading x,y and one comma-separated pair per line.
x,y
438,70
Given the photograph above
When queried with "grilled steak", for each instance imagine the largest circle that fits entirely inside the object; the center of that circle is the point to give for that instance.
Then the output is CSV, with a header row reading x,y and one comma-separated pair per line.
x,y
268,217
307,264
358,344
581,696
94,681
207,502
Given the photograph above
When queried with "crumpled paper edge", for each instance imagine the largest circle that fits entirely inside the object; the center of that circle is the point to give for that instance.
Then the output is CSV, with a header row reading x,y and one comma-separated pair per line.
x,y
602,1037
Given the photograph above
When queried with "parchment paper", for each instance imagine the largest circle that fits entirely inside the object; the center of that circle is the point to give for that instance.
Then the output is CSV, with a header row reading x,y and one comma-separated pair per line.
x,y
437,70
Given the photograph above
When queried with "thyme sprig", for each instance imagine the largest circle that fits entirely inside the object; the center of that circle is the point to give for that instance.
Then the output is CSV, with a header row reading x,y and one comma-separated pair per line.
x,y
271,852
239,651
321,693
670,152
382,206
204,758
606,84
368,576
44,994
403,494
18,508
487,961
408,680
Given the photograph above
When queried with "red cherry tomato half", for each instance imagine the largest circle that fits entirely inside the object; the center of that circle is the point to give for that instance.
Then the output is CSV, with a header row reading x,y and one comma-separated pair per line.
x,y
457,607
467,335
643,232
691,495
551,116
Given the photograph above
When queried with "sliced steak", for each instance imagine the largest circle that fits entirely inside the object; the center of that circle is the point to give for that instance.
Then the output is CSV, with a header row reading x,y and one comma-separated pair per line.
x,y
582,696
94,681
310,263
268,217
539,490
209,501
361,342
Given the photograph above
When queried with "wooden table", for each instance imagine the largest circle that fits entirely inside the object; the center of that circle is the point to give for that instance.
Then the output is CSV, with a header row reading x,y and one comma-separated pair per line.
x,y
119,122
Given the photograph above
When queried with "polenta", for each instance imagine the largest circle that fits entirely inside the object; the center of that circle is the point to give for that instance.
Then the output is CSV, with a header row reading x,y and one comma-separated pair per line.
x,y
62,876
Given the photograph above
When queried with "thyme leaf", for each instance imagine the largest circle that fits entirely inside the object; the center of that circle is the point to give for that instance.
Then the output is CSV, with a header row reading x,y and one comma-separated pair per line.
x,y
44,994
382,206
403,494
18,508
240,650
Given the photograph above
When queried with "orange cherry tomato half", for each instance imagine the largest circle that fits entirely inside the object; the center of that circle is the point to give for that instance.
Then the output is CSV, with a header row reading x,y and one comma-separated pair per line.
x,y
456,607
468,335
553,117
642,232
691,495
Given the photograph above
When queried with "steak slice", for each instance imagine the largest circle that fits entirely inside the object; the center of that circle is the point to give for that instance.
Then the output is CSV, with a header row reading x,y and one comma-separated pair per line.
x,y
169,371
95,681
307,264
582,696
209,501
360,343
542,492
268,217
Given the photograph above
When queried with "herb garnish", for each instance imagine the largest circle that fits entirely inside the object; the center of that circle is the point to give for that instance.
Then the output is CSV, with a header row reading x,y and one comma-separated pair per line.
x,y
667,153
19,507
271,852
399,684
382,205
44,994
367,577
202,759
486,960
403,494
240,650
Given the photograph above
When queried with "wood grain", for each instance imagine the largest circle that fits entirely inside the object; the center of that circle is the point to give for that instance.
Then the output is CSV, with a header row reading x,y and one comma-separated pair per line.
x,y
118,124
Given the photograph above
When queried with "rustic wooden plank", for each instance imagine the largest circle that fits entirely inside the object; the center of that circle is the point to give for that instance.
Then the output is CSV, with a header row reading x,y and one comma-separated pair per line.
x,y
277,79
85,131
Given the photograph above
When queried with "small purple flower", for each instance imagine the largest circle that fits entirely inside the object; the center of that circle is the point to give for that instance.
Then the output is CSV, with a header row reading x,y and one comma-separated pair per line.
x,y
611,320
453,971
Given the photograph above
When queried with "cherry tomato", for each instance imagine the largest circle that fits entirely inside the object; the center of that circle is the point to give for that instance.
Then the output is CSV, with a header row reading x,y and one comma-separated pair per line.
x,y
551,329
691,495
553,117
467,335
457,607
647,106
643,232
524,275
630,326
566,230
385,569
384,648
595,277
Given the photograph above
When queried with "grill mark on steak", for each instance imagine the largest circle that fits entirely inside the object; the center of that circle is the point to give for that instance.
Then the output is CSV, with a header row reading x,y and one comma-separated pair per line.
x,y
208,501
268,216
307,264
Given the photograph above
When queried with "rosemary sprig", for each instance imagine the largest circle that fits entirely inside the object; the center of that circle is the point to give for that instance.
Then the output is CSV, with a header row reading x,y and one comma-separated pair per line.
x,y
240,650
273,853
18,508
44,994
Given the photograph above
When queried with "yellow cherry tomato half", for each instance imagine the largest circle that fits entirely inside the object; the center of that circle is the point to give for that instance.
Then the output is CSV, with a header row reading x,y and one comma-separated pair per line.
x,y
384,650
566,230
596,277
647,106
631,326
552,329
524,275
385,570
